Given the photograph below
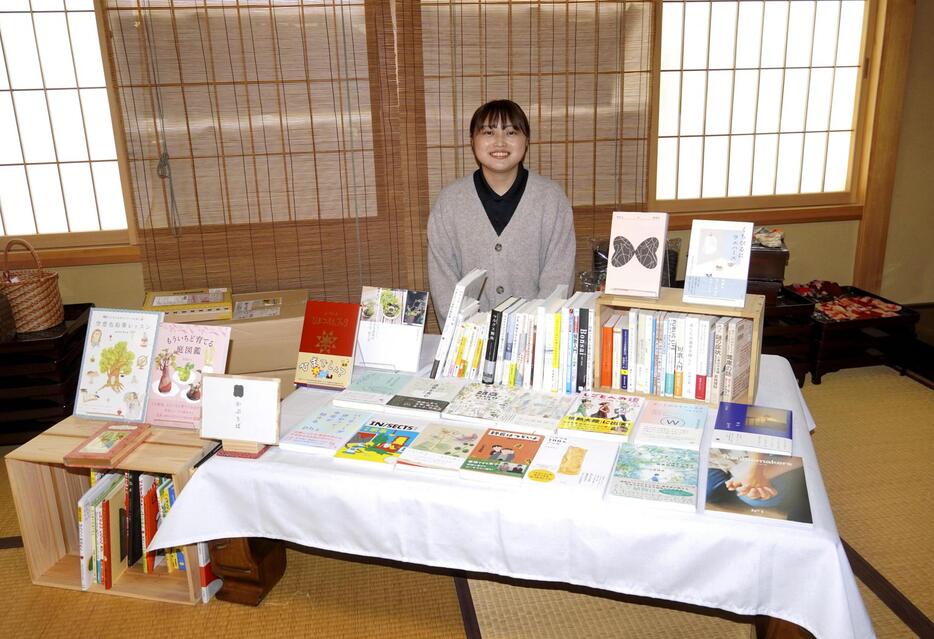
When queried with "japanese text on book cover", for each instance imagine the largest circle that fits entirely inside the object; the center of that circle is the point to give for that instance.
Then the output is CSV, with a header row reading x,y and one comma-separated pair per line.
x,y
326,349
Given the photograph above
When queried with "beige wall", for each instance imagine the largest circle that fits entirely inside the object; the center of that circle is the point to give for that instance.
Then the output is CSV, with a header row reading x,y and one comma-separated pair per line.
x,y
106,285
908,276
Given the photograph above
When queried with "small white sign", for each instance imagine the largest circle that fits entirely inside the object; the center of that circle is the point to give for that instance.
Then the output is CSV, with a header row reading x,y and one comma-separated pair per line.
x,y
242,408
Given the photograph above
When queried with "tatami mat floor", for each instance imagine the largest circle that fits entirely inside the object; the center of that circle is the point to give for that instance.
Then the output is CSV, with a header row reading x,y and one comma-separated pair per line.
x,y
874,461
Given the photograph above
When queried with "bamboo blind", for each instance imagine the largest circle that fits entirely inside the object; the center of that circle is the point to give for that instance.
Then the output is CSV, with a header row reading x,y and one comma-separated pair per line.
x,y
291,143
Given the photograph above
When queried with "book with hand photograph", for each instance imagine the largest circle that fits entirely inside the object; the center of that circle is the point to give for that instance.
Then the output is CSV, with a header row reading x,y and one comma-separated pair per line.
x,y
655,475
596,414
379,442
324,431
637,253
718,263
753,428
440,448
326,348
392,323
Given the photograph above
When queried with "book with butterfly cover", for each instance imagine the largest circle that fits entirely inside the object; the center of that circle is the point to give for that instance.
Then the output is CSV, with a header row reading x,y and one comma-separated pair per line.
x,y
637,251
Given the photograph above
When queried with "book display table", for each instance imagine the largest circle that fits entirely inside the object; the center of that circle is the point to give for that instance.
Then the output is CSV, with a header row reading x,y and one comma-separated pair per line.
x,y
785,571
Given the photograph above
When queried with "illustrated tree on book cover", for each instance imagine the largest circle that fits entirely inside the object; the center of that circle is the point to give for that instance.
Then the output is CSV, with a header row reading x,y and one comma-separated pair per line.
x,y
116,361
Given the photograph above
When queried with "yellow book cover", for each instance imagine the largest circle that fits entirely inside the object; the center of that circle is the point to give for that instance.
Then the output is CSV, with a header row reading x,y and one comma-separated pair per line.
x,y
379,442
164,505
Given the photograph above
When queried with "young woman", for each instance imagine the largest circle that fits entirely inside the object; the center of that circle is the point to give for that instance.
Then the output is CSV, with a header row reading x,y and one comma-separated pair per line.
x,y
504,218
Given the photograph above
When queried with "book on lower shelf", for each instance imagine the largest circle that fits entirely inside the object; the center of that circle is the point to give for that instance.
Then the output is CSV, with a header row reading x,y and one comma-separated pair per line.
x,y
601,415
746,484
440,448
501,455
655,476
379,442
575,463
325,431
753,428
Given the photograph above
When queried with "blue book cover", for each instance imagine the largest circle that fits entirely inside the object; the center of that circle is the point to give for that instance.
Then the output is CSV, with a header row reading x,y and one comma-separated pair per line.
x,y
753,428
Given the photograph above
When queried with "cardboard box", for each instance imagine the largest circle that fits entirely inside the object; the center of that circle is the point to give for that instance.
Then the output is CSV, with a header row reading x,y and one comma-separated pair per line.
x,y
265,331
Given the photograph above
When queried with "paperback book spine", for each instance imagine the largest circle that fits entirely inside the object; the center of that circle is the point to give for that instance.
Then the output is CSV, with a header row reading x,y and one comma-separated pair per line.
x,y
492,342
450,325
583,331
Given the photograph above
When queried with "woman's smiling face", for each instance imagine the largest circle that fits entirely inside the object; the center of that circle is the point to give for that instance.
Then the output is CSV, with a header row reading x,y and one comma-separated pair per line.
x,y
499,147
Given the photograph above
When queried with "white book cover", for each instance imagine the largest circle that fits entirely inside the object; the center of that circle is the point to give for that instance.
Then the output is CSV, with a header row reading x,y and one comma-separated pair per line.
x,y
581,464
655,475
371,390
633,350
468,287
392,323
718,263
616,350
567,321
675,424
742,356
690,356
705,324
545,348
458,345
506,337
440,448
537,412
324,431
717,363
425,397
729,359
637,249
481,403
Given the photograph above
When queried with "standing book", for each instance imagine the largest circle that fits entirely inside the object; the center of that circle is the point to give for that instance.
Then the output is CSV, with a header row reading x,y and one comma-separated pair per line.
x,y
183,353
753,428
655,475
501,455
392,324
379,442
425,397
440,448
326,347
637,252
600,415
718,263
672,424
115,364
577,463
324,431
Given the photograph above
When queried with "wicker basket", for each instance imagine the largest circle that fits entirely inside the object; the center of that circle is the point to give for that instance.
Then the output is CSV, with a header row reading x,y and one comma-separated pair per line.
x,y
33,294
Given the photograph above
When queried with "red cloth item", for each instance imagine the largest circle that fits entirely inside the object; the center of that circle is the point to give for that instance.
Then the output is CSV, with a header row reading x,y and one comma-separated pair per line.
x,y
834,303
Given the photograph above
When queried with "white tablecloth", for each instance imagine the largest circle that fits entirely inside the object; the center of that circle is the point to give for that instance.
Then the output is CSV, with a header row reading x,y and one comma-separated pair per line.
x,y
788,571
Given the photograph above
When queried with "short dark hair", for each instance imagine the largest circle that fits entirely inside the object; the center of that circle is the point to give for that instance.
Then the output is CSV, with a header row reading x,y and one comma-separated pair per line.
x,y
501,112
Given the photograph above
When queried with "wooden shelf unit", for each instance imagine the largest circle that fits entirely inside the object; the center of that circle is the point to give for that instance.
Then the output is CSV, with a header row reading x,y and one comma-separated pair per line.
x,y
46,493
669,299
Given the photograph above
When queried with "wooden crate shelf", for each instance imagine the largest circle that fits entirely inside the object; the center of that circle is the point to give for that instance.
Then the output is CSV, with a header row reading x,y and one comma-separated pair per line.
x,y
45,493
670,300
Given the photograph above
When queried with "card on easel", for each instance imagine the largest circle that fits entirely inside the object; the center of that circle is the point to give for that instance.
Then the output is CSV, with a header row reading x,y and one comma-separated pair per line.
x,y
239,408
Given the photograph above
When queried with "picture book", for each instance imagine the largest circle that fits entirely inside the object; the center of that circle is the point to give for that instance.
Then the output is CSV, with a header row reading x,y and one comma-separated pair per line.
x,y
192,305
537,412
655,475
748,484
599,414
115,364
440,448
718,263
371,390
108,446
637,253
183,353
379,441
573,462
753,428
425,397
87,529
324,431
480,403
501,454
673,424
392,323
467,288
326,347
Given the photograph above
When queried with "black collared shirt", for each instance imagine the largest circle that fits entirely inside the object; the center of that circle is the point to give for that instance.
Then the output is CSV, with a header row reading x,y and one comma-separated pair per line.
x,y
499,208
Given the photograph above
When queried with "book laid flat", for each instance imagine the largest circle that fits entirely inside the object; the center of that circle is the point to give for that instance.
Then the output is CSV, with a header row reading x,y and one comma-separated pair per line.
x,y
637,252
753,428
501,455
425,397
115,364
324,431
655,475
718,263
481,404
379,442
371,390
183,353
573,462
748,484
537,412
192,305
326,347
599,414
671,424
392,323
440,448
108,446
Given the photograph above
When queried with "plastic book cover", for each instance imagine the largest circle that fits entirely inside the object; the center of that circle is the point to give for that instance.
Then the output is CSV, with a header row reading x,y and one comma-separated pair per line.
x,y
671,424
324,431
371,390
379,442
479,402
426,395
754,428
537,412
656,475
392,323
573,462
183,353
440,447
115,364
749,484
637,252
502,454
326,347
718,263
602,414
